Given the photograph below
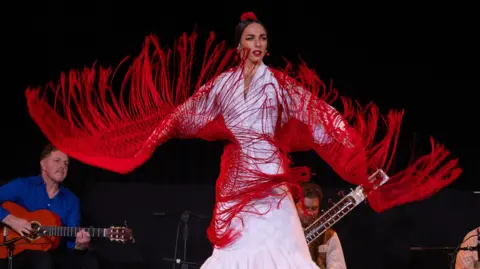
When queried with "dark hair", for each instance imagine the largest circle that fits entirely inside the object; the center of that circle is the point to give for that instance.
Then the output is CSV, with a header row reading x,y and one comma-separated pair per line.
x,y
49,148
312,190
241,27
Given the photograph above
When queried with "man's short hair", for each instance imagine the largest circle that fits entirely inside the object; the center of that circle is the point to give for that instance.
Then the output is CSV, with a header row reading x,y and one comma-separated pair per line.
x,y
49,148
312,190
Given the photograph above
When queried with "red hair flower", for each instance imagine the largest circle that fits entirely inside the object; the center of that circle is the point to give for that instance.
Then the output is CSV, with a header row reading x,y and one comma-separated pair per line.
x,y
248,16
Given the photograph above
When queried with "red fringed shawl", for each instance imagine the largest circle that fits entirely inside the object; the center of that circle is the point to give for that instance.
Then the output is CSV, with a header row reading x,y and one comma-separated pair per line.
x,y
289,110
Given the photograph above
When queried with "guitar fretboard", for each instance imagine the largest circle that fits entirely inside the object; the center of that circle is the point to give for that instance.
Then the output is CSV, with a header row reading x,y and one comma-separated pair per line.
x,y
334,214
71,231
340,209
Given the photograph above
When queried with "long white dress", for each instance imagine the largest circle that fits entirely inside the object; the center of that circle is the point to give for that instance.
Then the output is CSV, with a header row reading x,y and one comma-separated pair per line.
x,y
275,239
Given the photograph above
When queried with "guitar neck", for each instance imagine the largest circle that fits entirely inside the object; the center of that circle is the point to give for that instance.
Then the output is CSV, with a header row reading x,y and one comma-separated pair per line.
x,y
334,214
72,231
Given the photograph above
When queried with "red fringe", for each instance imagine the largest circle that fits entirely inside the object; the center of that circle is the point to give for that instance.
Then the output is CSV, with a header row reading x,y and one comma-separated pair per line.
x,y
92,123
158,101
422,178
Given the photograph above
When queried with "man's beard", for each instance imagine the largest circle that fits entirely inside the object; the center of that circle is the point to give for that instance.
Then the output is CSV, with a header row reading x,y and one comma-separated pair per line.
x,y
307,221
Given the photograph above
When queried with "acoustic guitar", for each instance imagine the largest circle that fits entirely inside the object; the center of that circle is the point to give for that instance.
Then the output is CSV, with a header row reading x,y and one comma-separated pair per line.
x,y
48,231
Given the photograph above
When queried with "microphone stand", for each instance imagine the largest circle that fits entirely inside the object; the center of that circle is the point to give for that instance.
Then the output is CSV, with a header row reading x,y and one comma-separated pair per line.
x,y
432,248
10,245
468,248
445,248
184,218
184,263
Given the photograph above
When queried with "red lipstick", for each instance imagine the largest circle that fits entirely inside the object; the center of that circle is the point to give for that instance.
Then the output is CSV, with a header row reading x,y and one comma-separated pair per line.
x,y
257,53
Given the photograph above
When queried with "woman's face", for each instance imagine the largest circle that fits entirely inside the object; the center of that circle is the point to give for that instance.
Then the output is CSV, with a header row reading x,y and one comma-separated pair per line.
x,y
253,42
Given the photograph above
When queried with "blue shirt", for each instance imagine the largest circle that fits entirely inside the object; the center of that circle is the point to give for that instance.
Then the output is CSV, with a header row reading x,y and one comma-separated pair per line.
x,y
31,193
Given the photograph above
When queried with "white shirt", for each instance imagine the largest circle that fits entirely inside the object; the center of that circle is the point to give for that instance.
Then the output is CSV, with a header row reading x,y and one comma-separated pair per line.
x,y
333,248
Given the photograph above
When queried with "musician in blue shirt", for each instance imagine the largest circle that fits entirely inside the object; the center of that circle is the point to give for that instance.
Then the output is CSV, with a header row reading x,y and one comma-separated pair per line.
x,y
45,192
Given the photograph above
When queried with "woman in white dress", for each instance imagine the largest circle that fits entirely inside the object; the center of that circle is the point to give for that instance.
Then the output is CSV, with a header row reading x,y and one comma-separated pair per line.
x,y
274,238
260,113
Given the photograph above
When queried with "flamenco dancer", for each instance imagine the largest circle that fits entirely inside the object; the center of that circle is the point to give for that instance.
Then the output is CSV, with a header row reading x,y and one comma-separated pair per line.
x,y
261,113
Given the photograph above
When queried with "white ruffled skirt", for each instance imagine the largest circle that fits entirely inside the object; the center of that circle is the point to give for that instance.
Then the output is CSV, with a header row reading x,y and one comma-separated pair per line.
x,y
271,241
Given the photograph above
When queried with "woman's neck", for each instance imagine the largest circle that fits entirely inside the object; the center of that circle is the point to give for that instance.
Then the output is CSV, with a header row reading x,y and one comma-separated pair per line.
x,y
250,68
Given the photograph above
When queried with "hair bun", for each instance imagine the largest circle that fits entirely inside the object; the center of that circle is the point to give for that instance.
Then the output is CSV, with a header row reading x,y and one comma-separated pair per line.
x,y
248,16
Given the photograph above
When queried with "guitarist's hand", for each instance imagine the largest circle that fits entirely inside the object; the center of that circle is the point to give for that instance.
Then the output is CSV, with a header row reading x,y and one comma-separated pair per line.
x,y
82,240
19,225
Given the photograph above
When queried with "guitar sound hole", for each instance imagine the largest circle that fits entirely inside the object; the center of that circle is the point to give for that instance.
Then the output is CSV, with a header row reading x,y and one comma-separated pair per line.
x,y
36,227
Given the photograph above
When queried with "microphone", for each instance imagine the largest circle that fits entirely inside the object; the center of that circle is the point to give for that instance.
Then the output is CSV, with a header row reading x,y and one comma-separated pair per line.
x,y
159,214
11,241
185,216
201,216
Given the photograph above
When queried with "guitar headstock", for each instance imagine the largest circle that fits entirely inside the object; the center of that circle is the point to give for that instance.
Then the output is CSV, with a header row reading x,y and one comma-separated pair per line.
x,y
119,234
378,178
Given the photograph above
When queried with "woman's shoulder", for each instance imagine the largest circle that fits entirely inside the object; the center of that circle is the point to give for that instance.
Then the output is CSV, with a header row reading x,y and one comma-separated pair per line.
x,y
283,77
225,75
221,77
